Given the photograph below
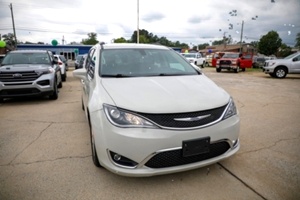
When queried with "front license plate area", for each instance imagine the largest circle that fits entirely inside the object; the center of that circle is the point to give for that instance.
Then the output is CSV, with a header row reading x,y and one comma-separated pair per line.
x,y
195,146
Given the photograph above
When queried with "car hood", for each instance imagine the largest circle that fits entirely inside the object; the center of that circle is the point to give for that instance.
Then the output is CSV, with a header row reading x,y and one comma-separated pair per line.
x,y
24,67
171,94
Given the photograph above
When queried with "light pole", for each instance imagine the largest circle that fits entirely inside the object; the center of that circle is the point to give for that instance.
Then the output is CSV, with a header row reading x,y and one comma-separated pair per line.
x,y
242,29
138,31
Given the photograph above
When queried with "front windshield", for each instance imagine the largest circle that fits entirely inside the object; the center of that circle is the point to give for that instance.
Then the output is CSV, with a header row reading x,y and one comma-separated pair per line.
x,y
143,62
291,56
26,58
230,55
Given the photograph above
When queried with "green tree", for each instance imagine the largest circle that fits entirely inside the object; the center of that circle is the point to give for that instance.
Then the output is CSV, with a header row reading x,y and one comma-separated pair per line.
x,y
297,40
269,43
284,51
254,44
202,46
218,42
9,39
120,40
144,39
91,40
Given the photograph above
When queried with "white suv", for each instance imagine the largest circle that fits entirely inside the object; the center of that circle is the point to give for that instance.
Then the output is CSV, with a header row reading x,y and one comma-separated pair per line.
x,y
62,66
151,112
279,68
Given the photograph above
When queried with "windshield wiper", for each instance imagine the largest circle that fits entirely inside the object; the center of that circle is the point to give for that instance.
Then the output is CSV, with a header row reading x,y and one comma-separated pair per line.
x,y
115,75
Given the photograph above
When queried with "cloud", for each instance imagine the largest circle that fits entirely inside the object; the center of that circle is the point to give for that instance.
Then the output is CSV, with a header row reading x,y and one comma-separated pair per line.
x,y
190,21
152,17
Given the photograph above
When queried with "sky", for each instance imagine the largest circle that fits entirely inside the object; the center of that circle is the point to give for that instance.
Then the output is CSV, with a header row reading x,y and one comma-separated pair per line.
x,y
190,21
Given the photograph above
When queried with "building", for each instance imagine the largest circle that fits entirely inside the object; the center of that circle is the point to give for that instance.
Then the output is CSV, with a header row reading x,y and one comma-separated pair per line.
x,y
246,48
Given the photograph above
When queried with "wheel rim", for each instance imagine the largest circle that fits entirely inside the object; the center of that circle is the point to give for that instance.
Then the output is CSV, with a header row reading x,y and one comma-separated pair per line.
x,y
280,73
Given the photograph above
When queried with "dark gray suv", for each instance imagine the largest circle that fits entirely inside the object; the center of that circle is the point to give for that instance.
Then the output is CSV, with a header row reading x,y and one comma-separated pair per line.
x,y
29,73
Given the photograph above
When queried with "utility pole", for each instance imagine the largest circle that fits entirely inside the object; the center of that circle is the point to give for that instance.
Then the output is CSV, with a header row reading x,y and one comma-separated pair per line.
x,y
63,40
138,28
242,29
13,22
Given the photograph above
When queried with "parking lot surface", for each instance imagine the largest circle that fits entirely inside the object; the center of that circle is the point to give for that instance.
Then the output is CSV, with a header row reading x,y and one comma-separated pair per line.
x,y
45,149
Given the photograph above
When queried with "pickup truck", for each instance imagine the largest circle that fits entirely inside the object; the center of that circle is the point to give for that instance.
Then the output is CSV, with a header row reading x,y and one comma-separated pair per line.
x,y
234,61
279,68
195,58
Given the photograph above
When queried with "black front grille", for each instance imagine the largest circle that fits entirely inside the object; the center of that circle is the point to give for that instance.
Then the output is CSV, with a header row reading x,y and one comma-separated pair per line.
x,y
19,76
20,92
168,120
225,62
175,158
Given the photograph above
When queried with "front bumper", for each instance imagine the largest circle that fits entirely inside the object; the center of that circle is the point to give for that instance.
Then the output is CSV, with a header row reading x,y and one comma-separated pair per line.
x,y
142,145
226,66
268,70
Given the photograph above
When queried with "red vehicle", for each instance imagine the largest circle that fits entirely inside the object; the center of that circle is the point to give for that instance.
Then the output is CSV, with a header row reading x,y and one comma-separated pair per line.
x,y
215,57
234,61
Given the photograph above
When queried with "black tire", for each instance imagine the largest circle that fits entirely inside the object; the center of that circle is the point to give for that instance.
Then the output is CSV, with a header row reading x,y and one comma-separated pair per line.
x,y
63,77
60,85
237,69
243,69
54,95
1,100
94,151
280,72
218,69
82,105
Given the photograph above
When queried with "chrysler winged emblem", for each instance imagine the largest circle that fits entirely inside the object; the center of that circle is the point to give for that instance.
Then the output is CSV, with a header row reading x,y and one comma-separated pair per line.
x,y
192,119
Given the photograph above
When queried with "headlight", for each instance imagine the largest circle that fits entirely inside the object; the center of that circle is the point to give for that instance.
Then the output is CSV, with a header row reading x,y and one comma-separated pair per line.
x,y
271,63
46,71
125,119
230,110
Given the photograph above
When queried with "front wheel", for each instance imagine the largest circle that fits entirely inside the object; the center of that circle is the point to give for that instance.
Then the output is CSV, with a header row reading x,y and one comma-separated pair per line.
x,y
54,95
218,69
280,72
236,70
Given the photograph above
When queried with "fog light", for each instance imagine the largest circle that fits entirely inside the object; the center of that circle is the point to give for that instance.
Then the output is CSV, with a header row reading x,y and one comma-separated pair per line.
x,y
122,161
117,157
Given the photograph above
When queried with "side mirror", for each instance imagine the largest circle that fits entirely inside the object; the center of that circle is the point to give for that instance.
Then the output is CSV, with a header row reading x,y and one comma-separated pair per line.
x,y
55,60
80,73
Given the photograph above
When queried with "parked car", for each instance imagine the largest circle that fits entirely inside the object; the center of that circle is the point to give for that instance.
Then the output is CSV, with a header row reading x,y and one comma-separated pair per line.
x,y
208,60
234,61
195,58
82,61
62,67
279,68
258,62
77,60
29,73
151,112
65,61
